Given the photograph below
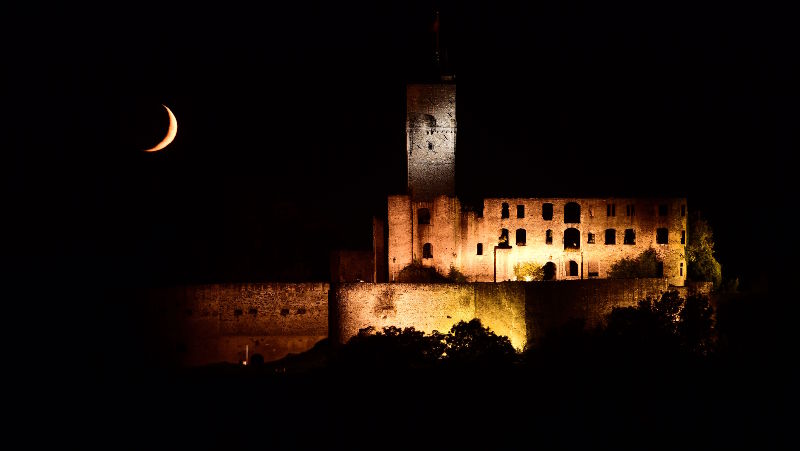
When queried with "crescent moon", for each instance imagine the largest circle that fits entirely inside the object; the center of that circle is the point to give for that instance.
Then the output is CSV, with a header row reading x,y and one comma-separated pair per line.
x,y
171,132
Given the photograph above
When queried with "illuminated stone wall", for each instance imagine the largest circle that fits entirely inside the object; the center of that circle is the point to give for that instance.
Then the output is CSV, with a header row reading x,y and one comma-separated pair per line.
x,y
431,140
429,307
214,323
454,235
522,311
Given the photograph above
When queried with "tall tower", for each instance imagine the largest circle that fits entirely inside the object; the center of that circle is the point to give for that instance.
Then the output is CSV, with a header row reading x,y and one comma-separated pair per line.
x,y
431,139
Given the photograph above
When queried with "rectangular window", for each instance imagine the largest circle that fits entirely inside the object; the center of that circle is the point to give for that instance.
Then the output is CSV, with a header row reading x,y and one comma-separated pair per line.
x,y
590,238
683,210
662,236
521,237
630,210
547,212
630,237
520,211
480,248
681,269
504,211
611,236
611,210
548,237
683,237
662,210
423,216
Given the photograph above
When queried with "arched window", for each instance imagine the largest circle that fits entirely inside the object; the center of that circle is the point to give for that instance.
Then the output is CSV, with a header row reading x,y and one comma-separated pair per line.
x,y
572,238
423,216
504,211
503,240
572,213
573,268
549,271
521,235
611,236
427,250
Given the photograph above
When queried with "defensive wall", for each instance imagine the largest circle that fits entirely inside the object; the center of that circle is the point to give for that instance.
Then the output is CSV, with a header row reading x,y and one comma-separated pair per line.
x,y
203,324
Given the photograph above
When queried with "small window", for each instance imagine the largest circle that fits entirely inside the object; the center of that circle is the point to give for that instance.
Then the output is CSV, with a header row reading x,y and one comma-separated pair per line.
x,y
427,250
503,240
630,237
430,145
611,236
662,236
611,210
521,235
547,212
683,210
659,269
662,210
630,210
423,216
683,237
504,212
520,211
681,269
573,268
590,239
480,248
548,237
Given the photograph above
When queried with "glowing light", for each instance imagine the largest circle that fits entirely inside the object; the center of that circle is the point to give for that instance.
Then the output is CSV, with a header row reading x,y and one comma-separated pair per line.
x,y
171,132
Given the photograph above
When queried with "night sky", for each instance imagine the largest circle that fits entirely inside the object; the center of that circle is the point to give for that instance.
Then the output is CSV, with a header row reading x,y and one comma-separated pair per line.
x,y
291,124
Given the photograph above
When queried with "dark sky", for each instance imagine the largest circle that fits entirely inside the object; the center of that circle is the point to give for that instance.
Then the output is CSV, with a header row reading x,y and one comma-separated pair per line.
x,y
291,123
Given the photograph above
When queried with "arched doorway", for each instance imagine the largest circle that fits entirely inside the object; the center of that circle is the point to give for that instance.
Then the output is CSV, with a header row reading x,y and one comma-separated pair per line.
x,y
549,271
573,268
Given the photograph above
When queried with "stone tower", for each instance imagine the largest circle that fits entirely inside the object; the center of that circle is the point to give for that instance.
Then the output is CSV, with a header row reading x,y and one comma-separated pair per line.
x,y
431,140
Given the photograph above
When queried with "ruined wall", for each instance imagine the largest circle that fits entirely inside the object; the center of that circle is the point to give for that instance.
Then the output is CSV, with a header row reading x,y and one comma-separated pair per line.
x,y
400,233
644,216
431,140
522,311
352,266
213,323
429,307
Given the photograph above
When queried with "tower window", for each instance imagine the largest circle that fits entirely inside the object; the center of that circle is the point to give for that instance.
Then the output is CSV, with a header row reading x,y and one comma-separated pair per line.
x,y
423,216
630,237
590,238
630,210
548,237
681,268
611,236
521,235
480,248
572,213
683,210
427,250
504,211
503,240
547,212
662,236
662,210
683,237
520,211
430,145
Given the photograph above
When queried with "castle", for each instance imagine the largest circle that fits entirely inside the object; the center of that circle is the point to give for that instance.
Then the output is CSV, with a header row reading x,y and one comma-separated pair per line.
x,y
571,238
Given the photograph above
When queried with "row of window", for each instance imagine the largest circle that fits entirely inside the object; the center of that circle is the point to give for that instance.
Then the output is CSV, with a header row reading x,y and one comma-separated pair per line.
x,y
427,252
572,237
572,212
